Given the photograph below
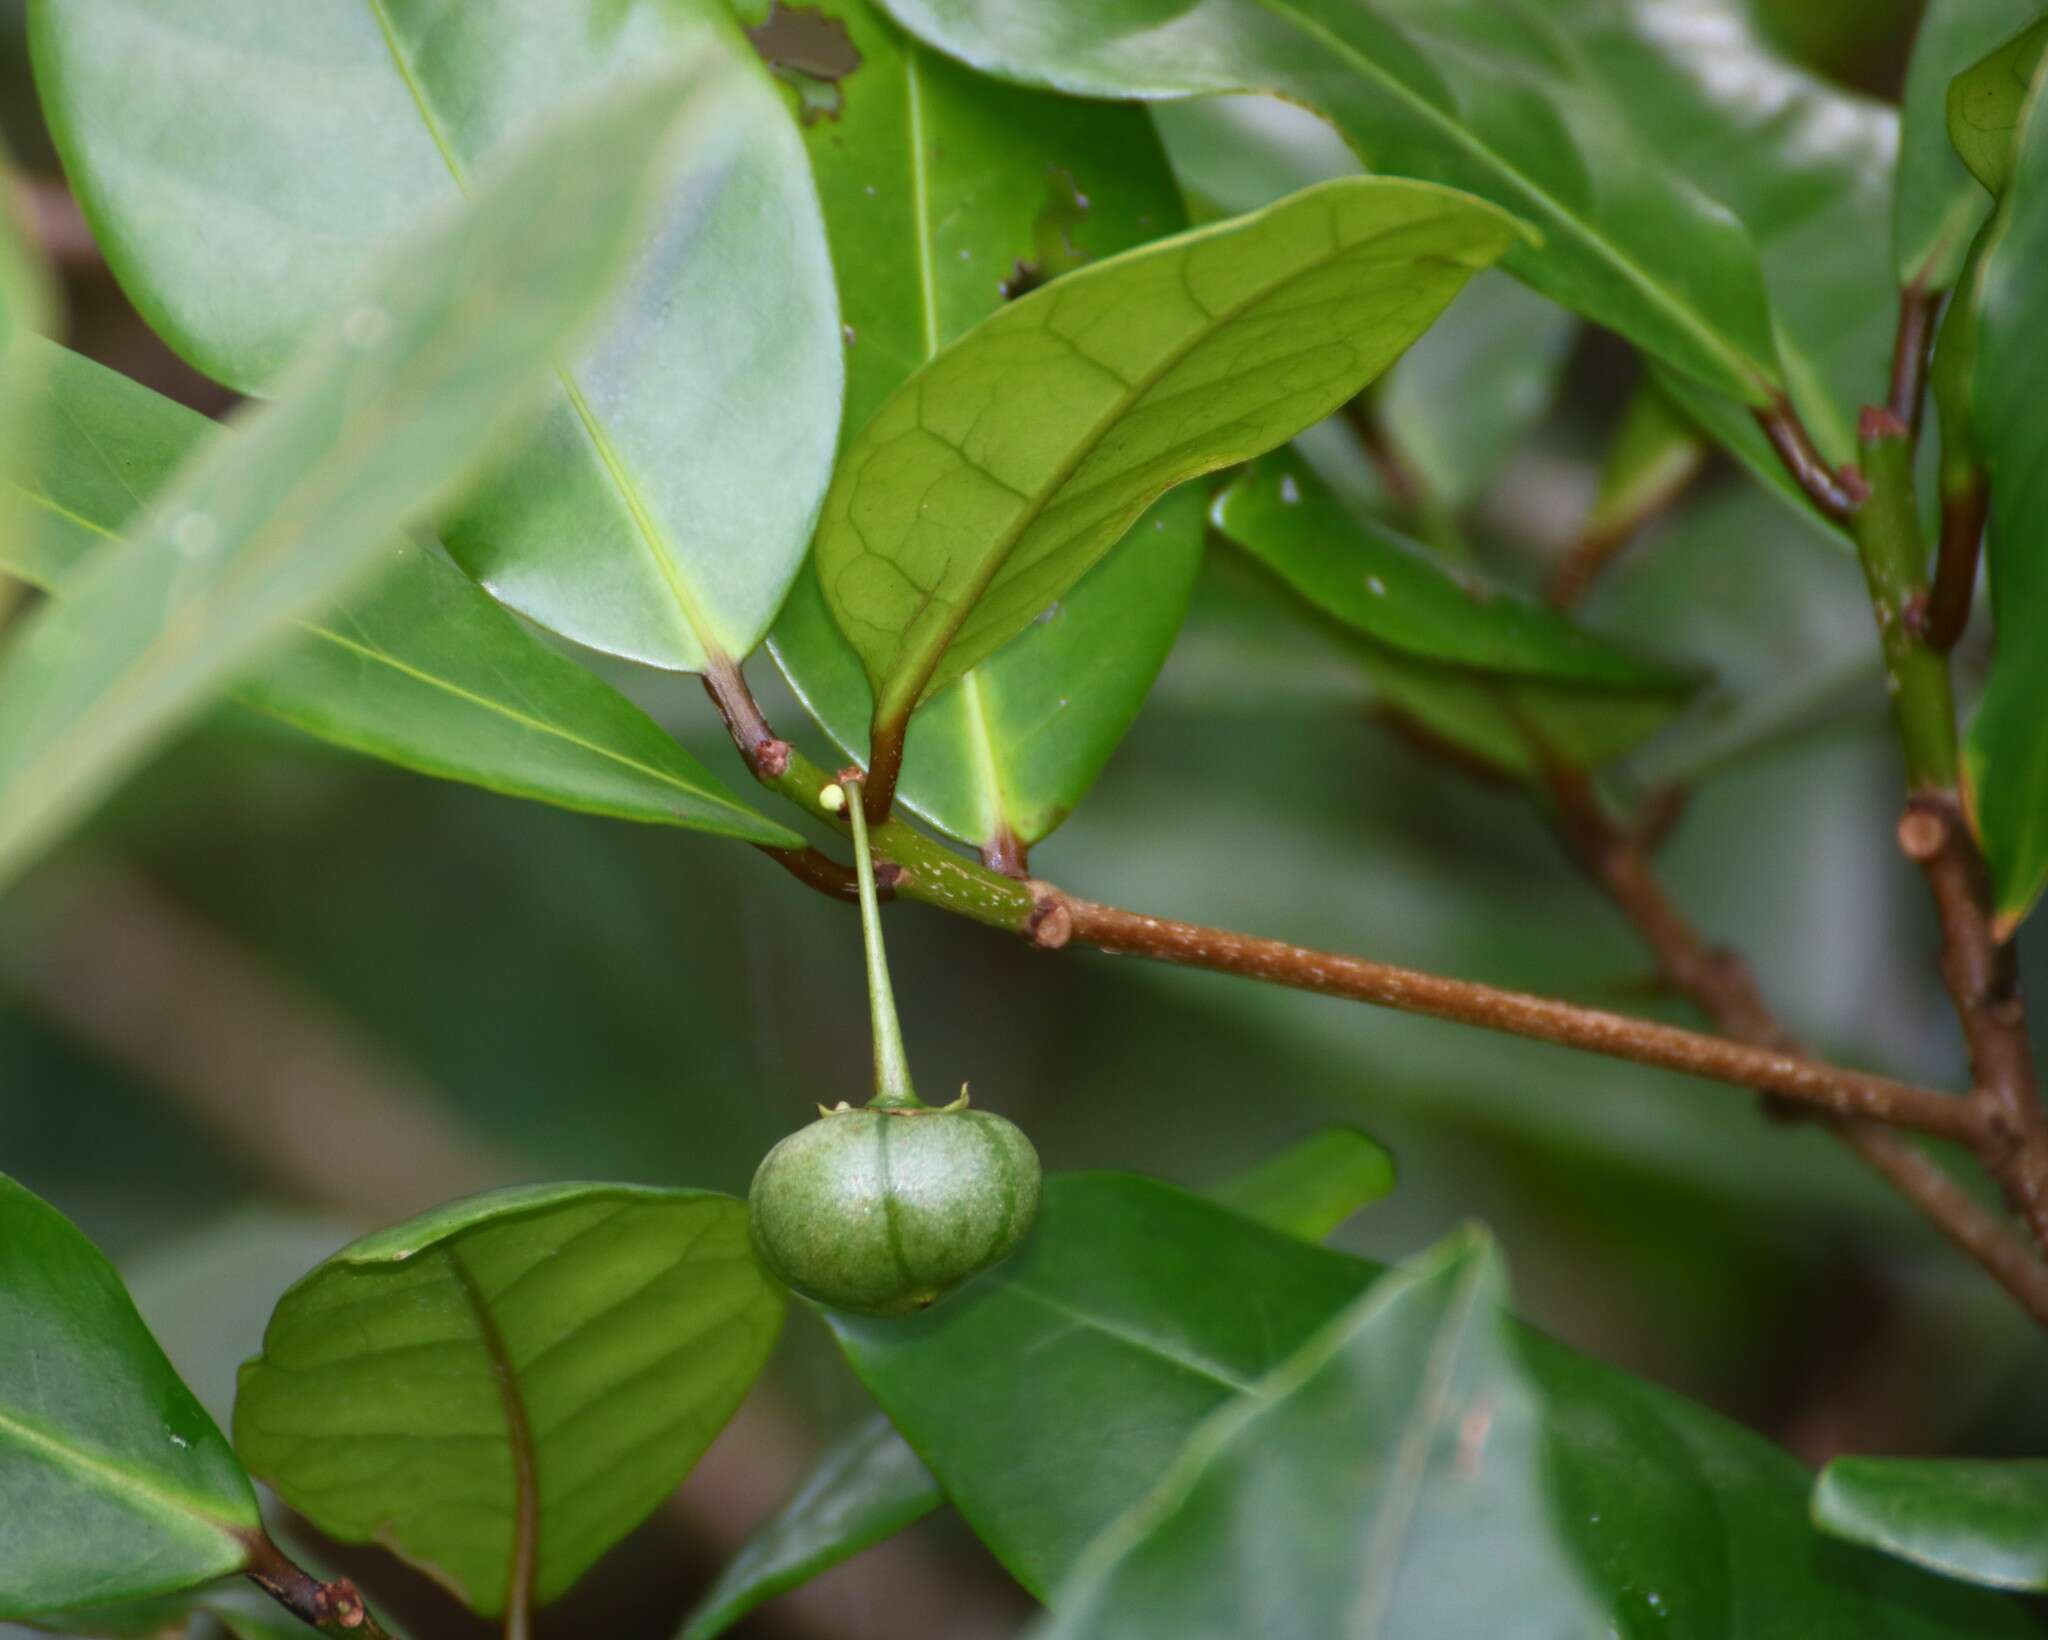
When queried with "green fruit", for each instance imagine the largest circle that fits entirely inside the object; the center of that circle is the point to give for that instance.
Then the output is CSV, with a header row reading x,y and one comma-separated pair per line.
x,y
886,1210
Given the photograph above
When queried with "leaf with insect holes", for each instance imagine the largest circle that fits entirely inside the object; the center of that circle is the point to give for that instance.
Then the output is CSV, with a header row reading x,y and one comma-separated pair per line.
x,y
1001,472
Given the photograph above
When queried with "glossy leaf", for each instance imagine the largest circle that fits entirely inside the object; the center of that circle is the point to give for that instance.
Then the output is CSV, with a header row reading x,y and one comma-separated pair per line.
x,y
943,193
998,475
2006,748
25,304
1981,1521
1312,1187
421,669
537,1365
1988,104
1473,664
234,1610
378,421
664,503
1408,1433
1453,93
1142,1312
867,1487
114,1483
1937,206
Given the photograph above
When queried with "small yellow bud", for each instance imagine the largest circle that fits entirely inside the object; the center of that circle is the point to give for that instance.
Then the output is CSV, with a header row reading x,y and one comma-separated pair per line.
x,y
833,798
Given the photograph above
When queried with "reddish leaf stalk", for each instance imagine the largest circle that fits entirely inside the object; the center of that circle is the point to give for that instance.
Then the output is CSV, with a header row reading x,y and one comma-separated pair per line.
x,y
330,1608
1836,493
1945,613
1912,346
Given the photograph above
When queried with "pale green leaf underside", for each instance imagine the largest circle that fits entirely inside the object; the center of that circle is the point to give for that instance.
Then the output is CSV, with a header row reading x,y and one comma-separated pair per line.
x,y
378,420
999,474
114,1483
943,189
421,669
627,1324
665,500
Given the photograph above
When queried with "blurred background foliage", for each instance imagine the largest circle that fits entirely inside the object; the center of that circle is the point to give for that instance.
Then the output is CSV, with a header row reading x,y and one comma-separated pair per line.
x,y
274,993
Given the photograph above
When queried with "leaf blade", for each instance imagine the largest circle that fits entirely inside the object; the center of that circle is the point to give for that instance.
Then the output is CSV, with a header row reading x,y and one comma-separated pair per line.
x,y
119,1486
1314,1185
1977,1520
965,507
585,1289
421,669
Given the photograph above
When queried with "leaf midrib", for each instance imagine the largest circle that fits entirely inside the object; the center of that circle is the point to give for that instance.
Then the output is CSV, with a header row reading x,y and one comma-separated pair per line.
x,y
1670,302
112,1478
891,704
601,444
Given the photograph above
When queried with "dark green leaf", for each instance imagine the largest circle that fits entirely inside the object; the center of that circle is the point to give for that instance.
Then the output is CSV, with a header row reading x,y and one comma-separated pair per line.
x,y
1980,1521
1310,1188
663,506
1474,664
867,1487
998,475
1055,1393
232,1609
563,1354
943,192
114,1483
1936,205
1499,104
378,420
421,669
1394,1443
1988,103
1993,356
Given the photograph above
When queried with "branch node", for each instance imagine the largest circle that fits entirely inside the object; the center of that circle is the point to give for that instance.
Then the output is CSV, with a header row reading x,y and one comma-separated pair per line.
x,y
1923,832
1052,918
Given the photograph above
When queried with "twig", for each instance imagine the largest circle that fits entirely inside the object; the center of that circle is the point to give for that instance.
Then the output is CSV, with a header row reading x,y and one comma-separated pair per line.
x,y
1836,493
1911,346
1725,989
1051,918
1944,613
1981,974
331,1608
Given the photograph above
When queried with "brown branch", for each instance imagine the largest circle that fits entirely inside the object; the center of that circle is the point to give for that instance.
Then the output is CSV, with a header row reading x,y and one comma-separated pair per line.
x,y
828,876
1725,989
727,686
1516,1013
1912,345
1838,493
1942,615
331,1608
1050,918
1981,974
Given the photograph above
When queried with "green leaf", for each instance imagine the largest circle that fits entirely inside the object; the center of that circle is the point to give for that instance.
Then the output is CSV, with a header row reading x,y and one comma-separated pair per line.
x,y
1936,205
378,421
1994,366
232,1609
421,669
25,304
1474,664
868,1486
999,474
1977,1520
1313,1186
1406,1433
114,1483
1502,106
1055,1393
1988,103
664,503
536,1366
943,191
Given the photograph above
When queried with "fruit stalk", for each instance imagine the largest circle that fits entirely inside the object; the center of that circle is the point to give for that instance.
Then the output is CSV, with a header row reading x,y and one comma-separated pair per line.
x,y
892,1066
